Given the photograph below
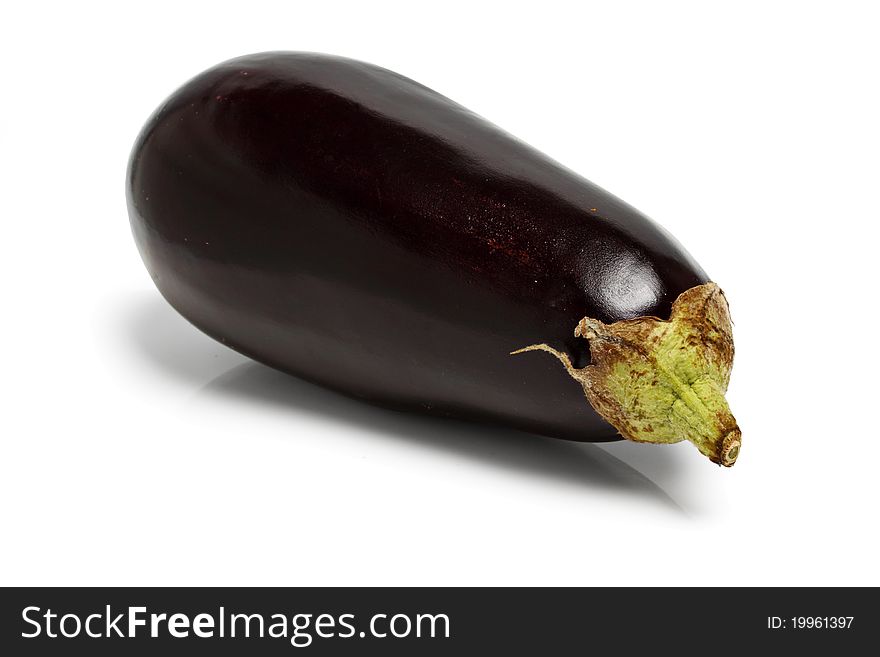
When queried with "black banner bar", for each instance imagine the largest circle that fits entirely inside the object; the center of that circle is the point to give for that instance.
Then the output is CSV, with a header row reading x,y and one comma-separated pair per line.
x,y
319,621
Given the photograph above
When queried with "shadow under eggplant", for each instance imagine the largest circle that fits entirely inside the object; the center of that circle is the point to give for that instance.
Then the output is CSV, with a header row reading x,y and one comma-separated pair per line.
x,y
164,338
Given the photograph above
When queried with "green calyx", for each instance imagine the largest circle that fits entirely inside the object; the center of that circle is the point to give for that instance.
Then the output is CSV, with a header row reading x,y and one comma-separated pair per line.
x,y
663,381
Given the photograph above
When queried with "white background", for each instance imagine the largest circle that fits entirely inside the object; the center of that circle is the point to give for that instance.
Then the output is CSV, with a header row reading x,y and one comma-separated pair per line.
x,y
135,450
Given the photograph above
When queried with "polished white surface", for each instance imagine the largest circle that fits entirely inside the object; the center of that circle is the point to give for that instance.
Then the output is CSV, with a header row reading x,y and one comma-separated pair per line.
x,y
135,450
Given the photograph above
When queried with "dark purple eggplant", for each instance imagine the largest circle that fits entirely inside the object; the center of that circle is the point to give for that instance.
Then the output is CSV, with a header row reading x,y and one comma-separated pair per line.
x,y
345,224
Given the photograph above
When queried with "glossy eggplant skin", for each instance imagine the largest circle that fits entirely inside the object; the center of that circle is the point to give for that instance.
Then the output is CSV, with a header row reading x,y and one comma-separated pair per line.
x,y
345,224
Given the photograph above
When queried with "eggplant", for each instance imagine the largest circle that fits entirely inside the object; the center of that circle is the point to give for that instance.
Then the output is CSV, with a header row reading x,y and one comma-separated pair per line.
x,y
345,224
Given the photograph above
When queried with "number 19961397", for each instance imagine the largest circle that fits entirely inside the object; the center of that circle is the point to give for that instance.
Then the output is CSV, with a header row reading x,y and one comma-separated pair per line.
x,y
810,622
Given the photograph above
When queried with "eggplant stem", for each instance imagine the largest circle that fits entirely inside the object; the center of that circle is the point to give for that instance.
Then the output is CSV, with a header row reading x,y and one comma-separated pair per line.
x,y
562,356
663,381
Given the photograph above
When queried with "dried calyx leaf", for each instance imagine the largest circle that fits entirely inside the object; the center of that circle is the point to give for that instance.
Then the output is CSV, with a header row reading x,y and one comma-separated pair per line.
x,y
663,381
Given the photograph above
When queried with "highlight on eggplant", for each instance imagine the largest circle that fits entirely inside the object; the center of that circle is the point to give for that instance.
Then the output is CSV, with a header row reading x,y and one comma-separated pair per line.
x,y
345,224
